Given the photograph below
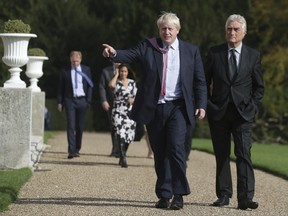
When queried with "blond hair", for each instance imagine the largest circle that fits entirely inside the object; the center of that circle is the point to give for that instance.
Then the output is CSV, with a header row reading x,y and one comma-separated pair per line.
x,y
75,53
170,19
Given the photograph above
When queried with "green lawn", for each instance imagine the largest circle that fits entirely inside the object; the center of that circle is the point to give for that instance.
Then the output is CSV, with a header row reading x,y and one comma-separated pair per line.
x,y
11,182
272,158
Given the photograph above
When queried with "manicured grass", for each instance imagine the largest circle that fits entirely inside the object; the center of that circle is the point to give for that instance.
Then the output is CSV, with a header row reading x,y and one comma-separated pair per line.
x,y
11,182
272,158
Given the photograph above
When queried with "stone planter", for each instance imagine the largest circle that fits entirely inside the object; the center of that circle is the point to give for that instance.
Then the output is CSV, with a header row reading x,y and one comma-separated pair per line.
x,y
34,71
15,56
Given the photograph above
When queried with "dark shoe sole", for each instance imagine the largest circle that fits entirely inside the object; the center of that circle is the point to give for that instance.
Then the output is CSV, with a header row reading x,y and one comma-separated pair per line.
x,y
176,207
249,205
218,205
177,202
162,204
70,156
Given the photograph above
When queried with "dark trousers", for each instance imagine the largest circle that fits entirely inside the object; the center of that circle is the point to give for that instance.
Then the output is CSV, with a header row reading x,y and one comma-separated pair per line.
x,y
167,135
115,147
221,130
75,112
188,140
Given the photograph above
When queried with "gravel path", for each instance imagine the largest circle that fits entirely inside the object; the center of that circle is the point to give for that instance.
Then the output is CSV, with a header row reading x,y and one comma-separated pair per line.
x,y
94,184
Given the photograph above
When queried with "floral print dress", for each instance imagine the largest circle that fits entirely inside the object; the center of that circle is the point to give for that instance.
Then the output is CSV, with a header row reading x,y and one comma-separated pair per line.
x,y
122,124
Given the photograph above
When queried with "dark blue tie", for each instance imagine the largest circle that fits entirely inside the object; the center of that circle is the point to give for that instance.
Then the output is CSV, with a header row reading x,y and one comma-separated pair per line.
x,y
89,81
76,80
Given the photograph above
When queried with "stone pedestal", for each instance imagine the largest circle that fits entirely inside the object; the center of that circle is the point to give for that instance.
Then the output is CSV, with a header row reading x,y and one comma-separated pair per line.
x,y
38,111
15,128
37,132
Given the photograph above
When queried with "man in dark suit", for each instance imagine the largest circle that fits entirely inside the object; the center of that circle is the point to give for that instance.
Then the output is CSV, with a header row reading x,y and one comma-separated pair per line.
x,y
235,86
172,92
74,95
106,99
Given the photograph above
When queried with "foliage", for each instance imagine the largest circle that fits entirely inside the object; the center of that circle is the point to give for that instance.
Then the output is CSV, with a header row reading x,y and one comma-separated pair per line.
x,y
36,52
11,182
86,24
16,26
268,34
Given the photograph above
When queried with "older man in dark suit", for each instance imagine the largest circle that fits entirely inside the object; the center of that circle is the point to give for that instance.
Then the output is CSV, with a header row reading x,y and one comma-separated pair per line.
x,y
74,95
235,83
172,92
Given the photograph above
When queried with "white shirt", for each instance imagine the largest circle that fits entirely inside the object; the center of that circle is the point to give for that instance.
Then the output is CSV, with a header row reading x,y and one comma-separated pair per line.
x,y
173,85
237,53
79,91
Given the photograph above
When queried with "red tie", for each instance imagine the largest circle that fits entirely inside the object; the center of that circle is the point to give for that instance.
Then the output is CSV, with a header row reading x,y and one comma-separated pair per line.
x,y
164,74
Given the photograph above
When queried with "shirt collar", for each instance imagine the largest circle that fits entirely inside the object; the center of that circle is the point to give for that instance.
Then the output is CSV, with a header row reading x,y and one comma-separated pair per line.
x,y
77,68
174,45
237,49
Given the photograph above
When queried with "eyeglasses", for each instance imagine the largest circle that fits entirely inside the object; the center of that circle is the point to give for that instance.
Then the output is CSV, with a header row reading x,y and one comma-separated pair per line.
x,y
230,29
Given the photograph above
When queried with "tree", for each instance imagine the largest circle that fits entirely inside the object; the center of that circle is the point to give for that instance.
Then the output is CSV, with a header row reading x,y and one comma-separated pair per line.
x,y
268,33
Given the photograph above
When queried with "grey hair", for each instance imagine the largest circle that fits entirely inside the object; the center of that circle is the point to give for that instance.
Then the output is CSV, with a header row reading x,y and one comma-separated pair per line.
x,y
169,18
237,18
77,53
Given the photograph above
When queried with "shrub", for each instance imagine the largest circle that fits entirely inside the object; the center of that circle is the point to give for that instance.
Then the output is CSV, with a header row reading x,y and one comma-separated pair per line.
x,y
16,26
36,52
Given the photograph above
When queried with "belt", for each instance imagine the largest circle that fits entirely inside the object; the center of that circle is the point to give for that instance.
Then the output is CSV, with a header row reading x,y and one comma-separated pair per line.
x,y
79,97
176,101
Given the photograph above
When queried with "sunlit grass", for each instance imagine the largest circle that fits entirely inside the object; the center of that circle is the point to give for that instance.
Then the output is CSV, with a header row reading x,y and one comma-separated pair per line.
x,y
11,182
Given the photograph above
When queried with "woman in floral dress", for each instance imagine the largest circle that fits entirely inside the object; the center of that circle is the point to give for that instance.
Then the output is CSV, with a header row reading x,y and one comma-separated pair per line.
x,y
124,94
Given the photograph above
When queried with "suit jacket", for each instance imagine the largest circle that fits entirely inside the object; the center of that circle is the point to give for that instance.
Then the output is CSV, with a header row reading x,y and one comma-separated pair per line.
x,y
246,88
192,78
65,87
106,94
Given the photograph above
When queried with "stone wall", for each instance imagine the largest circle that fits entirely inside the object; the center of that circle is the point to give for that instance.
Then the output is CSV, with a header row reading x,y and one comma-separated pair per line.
x,y
15,128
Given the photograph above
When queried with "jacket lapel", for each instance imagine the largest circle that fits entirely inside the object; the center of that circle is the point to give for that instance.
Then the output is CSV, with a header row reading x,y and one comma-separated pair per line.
x,y
244,58
159,59
224,60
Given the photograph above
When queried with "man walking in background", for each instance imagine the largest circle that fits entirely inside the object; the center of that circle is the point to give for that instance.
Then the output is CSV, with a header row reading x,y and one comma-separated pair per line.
x,y
106,99
235,87
74,96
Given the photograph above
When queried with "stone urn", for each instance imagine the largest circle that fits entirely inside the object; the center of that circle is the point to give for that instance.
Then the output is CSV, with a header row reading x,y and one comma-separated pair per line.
x,y
15,56
34,71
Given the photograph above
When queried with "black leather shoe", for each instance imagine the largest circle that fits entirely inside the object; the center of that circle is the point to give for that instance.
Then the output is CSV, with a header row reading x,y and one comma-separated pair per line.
x,y
123,163
245,204
221,201
162,203
70,156
177,202
117,155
